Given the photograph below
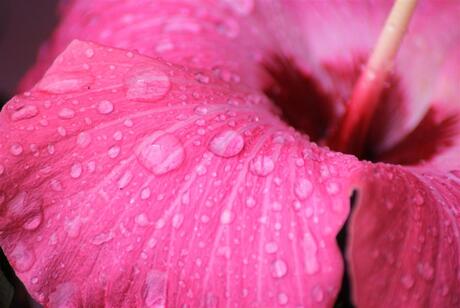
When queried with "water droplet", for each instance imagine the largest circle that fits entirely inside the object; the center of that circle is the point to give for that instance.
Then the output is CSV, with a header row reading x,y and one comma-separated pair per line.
x,y
83,139
250,202
145,193
201,110
33,222
125,179
407,281
226,217
141,220
61,131
2,169
202,78
113,151
418,199
262,165
332,188
72,227
65,82
76,170
228,143
161,153
241,7
65,295
102,238
279,268
271,247
318,294
117,136
154,290
303,188
22,257
147,84
311,261
25,112
89,52
66,113
16,149
177,220
282,298
105,107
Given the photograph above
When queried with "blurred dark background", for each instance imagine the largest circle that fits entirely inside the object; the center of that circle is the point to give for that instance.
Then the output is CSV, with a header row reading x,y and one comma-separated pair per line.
x,y
24,25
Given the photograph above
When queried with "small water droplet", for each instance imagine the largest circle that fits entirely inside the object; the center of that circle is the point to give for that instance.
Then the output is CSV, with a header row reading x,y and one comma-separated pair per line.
x,y
2,169
418,199
202,78
89,52
303,188
271,247
161,153
282,298
147,84
65,82
226,217
226,144
102,238
241,7
113,151
16,149
318,294
407,281
201,110
250,202
25,112
105,107
154,291
125,179
32,223
76,170
22,258
311,260
141,220
279,268
61,131
177,220
262,165
145,193
66,113
118,135
83,139
332,188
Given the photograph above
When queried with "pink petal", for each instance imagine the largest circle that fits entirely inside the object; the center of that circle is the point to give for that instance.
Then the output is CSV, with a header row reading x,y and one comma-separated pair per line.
x,y
127,181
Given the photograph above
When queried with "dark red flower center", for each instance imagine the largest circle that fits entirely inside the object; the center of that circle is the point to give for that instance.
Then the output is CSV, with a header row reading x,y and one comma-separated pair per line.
x,y
316,110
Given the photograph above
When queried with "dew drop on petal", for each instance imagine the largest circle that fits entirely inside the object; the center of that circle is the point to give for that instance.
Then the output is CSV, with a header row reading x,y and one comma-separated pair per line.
x,y
65,82
262,165
83,139
125,179
407,281
303,188
105,107
66,113
177,220
271,247
2,169
226,217
160,153
25,112
226,144
141,220
279,268
16,149
22,257
318,294
282,298
155,289
113,151
33,222
145,193
76,170
147,84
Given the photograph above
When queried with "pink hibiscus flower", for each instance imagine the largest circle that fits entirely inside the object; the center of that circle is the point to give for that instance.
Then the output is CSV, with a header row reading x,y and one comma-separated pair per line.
x,y
173,153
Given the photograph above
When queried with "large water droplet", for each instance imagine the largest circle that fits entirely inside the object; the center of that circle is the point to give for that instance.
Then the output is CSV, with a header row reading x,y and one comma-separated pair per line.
x,y
282,298
105,107
147,84
228,143
303,188
34,221
25,112
160,153
407,281
279,268
65,82
22,257
262,165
